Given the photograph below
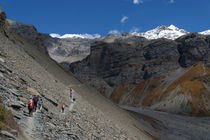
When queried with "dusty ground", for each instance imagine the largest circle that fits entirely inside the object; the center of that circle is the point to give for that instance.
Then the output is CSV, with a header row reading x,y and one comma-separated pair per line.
x,y
170,126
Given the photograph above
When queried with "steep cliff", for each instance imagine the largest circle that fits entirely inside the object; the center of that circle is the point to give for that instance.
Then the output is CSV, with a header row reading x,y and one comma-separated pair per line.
x,y
160,74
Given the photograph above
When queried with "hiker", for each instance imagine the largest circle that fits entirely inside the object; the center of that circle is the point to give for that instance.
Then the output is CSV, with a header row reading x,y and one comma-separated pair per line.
x,y
62,107
71,94
30,106
72,104
36,99
40,103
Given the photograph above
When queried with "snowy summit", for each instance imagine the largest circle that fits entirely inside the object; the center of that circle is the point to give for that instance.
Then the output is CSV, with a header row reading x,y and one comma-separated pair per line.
x,y
170,32
83,36
207,32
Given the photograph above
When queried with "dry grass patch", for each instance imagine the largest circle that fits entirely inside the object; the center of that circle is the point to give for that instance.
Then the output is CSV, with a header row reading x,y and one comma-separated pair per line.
x,y
7,121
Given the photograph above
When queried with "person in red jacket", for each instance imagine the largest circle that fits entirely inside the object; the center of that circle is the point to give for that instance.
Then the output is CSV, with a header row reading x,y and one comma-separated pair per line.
x,y
30,106
62,107
71,94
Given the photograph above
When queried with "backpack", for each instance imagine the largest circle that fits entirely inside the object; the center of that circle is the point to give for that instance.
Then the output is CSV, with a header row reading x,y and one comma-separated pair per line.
x,y
31,106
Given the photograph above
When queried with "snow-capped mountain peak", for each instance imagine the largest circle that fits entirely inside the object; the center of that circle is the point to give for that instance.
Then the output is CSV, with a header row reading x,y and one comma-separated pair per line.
x,y
83,36
172,27
170,32
207,32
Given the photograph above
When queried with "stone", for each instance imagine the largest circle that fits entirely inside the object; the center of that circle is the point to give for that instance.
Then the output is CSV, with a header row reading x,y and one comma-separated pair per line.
x,y
17,116
1,75
50,124
7,134
49,116
21,103
15,92
73,136
16,106
45,107
15,132
25,113
2,60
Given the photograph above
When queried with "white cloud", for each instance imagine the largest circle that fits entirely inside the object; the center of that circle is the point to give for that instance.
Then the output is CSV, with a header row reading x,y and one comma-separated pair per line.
x,y
124,18
134,29
137,1
114,32
171,1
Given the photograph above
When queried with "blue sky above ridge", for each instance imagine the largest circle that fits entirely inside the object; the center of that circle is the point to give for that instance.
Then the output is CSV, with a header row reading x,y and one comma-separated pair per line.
x,y
105,16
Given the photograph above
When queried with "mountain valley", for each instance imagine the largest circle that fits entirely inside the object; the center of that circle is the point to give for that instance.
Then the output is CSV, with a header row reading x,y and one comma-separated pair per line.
x,y
130,86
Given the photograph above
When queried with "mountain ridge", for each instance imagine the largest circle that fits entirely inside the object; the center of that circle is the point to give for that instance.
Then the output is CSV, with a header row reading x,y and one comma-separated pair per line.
x,y
168,32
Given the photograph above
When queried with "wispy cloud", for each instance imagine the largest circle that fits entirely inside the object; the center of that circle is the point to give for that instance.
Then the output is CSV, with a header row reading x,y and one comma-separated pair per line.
x,y
114,32
134,29
137,1
123,19
171,1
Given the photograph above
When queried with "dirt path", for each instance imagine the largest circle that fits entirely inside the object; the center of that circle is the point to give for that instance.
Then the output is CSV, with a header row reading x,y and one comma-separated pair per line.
x,y
30,122
34,125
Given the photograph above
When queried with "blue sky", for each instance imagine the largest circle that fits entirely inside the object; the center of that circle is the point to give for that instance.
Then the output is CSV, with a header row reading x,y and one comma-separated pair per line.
x,y
103,16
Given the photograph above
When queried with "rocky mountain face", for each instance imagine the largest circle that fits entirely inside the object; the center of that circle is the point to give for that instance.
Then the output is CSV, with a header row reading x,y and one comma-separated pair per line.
x,y
28,32
160,74
75,47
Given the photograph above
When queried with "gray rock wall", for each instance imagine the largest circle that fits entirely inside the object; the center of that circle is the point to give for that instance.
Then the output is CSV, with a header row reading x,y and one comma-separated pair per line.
x,y
135,60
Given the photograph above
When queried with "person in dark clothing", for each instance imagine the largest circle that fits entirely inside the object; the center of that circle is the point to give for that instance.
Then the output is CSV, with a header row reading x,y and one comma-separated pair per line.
x,y
40,104
35,99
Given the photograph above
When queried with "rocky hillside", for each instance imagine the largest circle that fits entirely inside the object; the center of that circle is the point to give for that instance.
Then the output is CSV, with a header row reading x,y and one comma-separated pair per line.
x,y
60,49
156,74
26,70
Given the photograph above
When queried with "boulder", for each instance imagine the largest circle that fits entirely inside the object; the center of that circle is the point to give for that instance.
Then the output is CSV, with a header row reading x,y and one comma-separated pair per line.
x,y
8,135
2,60
45,107
16,106
51,125
17,116
1,75
14,92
